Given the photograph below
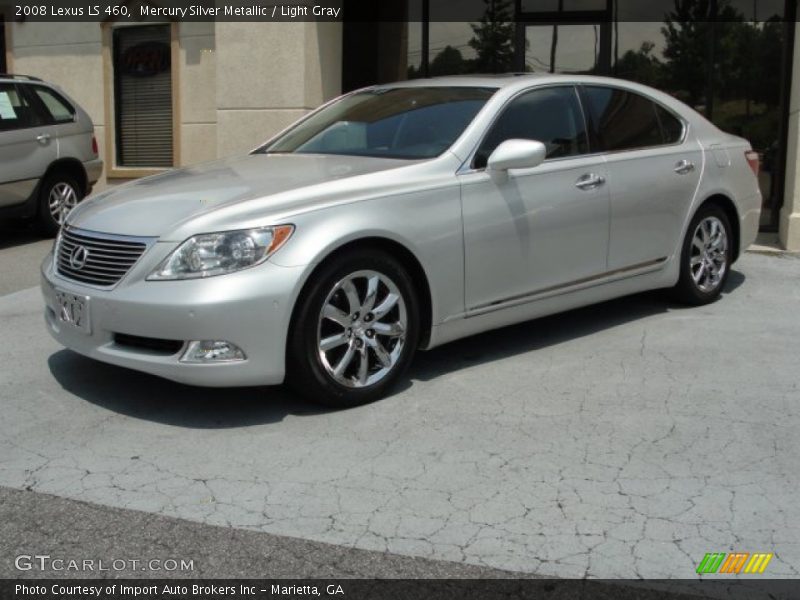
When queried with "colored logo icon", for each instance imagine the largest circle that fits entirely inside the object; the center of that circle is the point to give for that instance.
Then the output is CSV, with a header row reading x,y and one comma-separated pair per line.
x,y
734,563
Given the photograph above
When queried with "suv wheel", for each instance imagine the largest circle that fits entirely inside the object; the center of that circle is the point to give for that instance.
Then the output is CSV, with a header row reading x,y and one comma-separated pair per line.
x,y
59,194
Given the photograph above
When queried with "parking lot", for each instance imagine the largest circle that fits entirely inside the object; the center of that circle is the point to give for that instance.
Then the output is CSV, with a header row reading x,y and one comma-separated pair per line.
x,y
621,440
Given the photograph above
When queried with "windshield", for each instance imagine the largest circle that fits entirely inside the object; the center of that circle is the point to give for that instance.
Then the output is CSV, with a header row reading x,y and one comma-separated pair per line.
x,y
411,123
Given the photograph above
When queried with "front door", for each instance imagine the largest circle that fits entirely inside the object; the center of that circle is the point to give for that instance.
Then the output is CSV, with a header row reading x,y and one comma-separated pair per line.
x,y
529,231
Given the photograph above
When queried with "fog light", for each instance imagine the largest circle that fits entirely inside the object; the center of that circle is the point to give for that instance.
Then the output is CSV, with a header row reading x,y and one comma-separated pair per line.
x,y
209,351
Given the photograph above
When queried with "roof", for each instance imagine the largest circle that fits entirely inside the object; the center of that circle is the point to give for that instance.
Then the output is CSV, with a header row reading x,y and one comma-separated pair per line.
x,y
509,84
16,77
494,81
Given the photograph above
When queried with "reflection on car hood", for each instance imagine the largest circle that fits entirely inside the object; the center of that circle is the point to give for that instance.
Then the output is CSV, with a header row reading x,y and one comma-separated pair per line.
x,y
157,205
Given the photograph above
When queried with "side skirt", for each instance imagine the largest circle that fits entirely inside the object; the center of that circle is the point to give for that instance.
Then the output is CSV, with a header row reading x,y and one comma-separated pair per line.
x,y
650,276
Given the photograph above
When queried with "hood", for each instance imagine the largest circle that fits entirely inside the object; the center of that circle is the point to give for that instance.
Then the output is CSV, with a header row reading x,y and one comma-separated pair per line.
x,y
160,204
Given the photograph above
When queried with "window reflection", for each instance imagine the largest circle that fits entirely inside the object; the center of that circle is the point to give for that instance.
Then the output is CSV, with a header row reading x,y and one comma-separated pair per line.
x,y
562,48
736,82
485,45
728,68
563,5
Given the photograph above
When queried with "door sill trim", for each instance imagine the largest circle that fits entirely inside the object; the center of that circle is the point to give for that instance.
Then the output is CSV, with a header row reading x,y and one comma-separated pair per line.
x,y
564,288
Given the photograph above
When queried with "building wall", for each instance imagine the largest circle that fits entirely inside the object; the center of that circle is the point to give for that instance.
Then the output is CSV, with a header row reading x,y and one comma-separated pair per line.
x,y
789,231
269,75
197,83
236,84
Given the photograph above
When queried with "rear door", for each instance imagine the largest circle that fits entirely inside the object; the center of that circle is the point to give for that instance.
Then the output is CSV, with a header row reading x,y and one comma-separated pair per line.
x,y
653,168
28,145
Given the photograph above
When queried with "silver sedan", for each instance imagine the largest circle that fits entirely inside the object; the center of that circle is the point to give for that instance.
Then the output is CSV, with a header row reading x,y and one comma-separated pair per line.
x,y
402,217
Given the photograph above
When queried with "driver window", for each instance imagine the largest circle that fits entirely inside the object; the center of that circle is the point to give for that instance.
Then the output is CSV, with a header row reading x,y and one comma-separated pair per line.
x,y
549,115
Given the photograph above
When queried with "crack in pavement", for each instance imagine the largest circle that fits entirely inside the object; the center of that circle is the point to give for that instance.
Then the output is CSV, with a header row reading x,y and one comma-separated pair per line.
x,y
625,440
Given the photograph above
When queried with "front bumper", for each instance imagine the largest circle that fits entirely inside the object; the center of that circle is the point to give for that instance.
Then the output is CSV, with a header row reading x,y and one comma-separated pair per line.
x,y
251,308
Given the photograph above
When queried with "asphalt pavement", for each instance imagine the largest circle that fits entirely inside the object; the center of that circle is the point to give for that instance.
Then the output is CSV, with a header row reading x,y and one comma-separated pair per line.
x,y
622,440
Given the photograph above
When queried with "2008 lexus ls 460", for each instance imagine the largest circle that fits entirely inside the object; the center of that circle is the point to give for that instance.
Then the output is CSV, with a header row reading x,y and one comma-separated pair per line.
x,y
401,217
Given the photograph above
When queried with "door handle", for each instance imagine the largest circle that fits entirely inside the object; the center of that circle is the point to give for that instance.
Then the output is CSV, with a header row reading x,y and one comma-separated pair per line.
x,y
43,139
683,167
590,181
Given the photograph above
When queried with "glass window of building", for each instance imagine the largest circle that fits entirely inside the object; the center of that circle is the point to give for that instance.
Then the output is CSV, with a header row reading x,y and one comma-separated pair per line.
x,y
143,96
729,69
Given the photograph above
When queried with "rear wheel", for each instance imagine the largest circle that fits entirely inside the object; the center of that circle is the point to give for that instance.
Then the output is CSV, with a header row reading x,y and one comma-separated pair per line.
x,y
59,194
355,330
705,257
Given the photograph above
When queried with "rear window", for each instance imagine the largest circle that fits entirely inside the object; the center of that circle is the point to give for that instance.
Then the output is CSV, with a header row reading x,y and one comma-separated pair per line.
x,y
623,120
671,127
58,108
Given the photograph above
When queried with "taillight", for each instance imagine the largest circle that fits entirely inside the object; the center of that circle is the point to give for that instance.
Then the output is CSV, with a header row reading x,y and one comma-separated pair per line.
x,y
94,146
751,156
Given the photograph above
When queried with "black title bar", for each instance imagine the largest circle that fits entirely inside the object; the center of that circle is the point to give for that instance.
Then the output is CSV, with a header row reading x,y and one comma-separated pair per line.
x,y
394,589
381,10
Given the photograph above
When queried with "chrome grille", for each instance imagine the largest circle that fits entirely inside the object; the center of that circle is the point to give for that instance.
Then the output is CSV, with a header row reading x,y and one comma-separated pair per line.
x,y
104,261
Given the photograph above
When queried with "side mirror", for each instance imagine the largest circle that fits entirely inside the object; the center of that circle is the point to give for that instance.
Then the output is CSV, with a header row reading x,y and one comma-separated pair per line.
x,y
517,154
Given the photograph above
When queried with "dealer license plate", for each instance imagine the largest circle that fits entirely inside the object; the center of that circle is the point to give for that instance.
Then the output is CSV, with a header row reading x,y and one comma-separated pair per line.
x,y
73,311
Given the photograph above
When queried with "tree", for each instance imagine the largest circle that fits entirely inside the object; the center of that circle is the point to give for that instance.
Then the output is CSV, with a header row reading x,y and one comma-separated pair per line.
x,y
493,39
448,62
689,29
641,66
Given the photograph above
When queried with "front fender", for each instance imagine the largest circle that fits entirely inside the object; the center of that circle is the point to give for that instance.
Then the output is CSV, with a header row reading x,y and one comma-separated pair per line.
x,y
427,224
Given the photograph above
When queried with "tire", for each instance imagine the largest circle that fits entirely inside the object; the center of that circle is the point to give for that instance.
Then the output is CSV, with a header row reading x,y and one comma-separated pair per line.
x,y
59,193
334,373
706,257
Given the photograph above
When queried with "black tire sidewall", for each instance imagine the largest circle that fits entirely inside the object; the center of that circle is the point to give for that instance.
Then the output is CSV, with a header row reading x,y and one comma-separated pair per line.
x,y
687,290
46,221
305,372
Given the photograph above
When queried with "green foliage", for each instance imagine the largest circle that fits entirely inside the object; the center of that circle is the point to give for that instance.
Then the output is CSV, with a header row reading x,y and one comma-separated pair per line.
x,y
493,39
448,62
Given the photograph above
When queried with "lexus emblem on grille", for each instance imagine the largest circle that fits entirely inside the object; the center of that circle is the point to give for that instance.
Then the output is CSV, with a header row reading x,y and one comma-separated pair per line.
x,y
77,259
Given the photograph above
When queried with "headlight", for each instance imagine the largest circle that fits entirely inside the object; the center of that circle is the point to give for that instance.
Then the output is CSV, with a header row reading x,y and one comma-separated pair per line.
x,y
212,254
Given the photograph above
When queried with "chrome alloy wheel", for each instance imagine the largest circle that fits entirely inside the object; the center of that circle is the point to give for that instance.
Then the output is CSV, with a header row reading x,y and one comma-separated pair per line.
x,y
362,329
62,199
708,260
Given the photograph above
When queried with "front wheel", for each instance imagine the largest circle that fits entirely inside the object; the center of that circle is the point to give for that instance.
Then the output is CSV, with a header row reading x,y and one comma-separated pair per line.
x,y
58,195
355,330
706,257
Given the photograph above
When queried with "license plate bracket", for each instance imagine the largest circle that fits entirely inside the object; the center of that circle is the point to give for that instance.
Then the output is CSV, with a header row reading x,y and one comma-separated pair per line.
x,y
72,310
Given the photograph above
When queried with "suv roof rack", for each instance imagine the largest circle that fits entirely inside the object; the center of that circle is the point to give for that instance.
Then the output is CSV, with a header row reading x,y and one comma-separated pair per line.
x,y
15,76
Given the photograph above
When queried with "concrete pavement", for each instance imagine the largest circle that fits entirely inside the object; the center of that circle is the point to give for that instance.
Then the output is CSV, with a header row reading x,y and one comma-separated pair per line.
x,y
623,440
22,248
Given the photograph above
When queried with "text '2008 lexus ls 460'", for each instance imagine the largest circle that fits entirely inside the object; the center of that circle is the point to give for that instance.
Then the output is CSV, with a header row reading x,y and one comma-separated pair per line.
x,y
401,217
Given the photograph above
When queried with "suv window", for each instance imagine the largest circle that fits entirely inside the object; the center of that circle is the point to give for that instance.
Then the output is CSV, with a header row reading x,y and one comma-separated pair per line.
x,y
57,107
623,120
549,115
15,110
